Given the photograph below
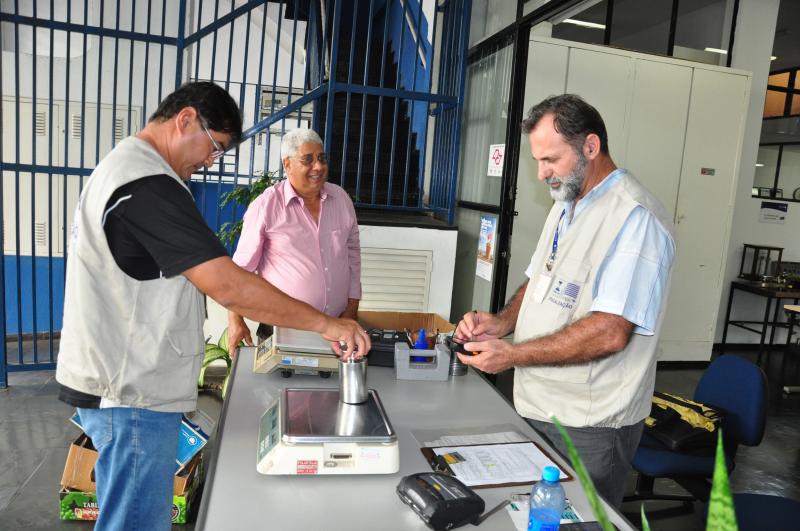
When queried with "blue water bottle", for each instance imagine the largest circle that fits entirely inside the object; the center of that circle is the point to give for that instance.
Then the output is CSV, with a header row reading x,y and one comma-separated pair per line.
x,y
547,502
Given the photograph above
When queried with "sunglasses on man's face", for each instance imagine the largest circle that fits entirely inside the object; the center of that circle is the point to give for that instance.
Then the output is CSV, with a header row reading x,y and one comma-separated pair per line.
x,y
308,160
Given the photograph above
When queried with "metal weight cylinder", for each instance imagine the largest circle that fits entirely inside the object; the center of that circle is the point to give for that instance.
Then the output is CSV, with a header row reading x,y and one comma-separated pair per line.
x,y
353,381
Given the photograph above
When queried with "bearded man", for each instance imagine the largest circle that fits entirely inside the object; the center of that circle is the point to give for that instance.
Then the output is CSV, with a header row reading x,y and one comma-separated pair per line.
x,y
587,321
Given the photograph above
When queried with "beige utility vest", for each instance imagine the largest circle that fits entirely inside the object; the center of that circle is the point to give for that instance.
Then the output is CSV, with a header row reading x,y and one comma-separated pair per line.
x,y
613,391
135,343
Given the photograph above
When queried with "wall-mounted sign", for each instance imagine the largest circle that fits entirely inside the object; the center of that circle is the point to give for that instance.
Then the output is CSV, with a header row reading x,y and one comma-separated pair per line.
x,y
497,155
773,212
486,243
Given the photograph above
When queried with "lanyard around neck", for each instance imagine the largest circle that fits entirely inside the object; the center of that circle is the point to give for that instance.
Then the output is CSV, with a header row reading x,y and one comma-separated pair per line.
x,y
552,258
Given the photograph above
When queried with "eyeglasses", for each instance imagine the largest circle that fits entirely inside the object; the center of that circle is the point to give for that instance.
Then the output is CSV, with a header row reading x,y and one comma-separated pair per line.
x,y
218,149
308,160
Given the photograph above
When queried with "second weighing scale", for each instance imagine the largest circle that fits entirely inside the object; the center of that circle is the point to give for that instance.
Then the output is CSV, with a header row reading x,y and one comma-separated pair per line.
x,y
309,431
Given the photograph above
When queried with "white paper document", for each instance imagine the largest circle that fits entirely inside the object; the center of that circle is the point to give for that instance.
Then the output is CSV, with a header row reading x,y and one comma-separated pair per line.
x,y
479,438
495,464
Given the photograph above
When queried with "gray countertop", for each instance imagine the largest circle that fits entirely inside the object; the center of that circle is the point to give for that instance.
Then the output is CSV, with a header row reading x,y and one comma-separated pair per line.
x,y
238,497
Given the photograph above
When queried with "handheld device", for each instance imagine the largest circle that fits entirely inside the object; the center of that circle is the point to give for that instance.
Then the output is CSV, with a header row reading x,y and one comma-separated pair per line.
x,y
457,346
442,501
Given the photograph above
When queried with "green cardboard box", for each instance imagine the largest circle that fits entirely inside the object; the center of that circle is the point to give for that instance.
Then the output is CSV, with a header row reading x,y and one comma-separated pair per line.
x,y
80,505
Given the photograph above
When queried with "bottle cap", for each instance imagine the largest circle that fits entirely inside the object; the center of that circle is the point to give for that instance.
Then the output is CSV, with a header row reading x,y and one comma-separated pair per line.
x,y
421,342
550,473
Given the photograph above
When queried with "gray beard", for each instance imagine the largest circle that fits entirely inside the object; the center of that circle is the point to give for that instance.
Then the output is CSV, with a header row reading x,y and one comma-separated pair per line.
x,y
571,184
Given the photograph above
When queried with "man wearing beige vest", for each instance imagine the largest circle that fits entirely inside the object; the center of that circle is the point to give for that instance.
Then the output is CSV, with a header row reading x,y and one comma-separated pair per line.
x,y
140,259
586,323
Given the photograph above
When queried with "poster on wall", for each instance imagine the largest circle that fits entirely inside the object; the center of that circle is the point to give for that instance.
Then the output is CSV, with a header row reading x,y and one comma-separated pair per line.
x,y
486,242
772,212
497,154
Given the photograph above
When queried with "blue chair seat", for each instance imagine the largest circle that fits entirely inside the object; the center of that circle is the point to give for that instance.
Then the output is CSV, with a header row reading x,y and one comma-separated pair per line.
x,y
662,463
762,512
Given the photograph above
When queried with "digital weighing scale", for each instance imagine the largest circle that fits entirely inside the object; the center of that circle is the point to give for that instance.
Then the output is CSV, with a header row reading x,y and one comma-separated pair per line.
x,y
309,431
295,352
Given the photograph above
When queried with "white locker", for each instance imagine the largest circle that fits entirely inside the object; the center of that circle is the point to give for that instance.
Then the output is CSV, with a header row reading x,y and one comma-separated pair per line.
x,y
547,74
659,107
704,209
604,80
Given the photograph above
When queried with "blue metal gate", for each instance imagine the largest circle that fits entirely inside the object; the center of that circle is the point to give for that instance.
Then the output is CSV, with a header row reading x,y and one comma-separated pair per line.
x,y
79,76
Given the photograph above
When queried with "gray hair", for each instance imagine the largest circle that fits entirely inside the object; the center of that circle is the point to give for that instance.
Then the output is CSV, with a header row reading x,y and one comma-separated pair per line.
x,y
295,138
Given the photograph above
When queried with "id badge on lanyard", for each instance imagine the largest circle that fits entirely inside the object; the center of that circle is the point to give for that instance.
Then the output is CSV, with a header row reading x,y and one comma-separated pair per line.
x,y
545,278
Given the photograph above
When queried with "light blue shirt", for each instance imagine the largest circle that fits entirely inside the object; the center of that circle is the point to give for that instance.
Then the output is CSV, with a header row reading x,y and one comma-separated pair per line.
x,y
633,277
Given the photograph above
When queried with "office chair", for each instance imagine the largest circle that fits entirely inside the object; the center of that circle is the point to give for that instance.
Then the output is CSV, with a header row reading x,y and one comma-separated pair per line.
x,y
731,384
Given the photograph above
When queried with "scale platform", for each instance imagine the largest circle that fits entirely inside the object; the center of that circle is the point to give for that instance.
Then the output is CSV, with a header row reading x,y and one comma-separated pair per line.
x,y
309,431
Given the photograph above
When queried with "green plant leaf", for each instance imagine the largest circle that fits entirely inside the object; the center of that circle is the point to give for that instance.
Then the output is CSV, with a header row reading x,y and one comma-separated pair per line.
x,y
586,481
645,523
721,513
243,196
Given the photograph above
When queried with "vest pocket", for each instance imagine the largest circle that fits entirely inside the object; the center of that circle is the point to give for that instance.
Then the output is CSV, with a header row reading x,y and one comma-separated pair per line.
x,y
186,343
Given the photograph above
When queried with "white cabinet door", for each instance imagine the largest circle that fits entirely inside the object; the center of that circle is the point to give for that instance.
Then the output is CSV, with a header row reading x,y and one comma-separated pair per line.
x,y
705,202
604,81
546,75
658,111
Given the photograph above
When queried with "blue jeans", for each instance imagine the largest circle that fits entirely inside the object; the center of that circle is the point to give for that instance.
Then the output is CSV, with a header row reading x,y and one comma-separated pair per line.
x,y
136,465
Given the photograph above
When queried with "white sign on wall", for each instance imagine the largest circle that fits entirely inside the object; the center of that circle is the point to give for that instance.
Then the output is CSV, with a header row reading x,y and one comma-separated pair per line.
x,y
773,212
497,155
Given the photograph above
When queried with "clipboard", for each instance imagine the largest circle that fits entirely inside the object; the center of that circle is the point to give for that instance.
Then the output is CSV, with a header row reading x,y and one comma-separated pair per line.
x,y
439,464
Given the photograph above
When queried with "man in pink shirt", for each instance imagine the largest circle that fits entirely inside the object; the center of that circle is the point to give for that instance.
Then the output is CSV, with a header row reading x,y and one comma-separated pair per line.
x,y
301,235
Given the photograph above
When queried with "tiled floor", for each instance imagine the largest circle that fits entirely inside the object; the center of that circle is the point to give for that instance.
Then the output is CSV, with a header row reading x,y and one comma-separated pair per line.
x,y
35,434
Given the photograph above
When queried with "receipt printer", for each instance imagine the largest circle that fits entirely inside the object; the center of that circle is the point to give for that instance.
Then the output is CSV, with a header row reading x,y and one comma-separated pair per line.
x,y
421,364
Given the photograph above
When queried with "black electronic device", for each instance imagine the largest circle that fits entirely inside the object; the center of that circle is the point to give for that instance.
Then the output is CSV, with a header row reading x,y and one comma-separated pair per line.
x,y
442,501
382,352
456,346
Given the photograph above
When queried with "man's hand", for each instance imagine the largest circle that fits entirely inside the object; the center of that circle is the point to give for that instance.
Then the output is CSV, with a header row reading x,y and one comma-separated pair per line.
x,y
479,326
237,331
492,356
351,334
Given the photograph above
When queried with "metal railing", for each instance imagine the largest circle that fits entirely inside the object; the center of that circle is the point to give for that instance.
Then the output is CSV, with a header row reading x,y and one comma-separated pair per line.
x,y
81,75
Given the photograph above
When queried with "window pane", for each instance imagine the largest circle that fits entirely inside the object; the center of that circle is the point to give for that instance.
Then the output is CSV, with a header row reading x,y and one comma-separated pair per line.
x,y
484,123
774,103
490,16
795,103
779,80
641,26
789,178
587,26
765,167
702,31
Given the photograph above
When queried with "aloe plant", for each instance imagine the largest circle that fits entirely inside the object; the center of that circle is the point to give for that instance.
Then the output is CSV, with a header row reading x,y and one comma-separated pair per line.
x,y
721,513
217,351
585,479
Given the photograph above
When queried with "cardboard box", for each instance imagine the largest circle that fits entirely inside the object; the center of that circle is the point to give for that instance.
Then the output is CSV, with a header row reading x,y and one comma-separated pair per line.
x,y
382,353
431,322
196,428
77,504
79,469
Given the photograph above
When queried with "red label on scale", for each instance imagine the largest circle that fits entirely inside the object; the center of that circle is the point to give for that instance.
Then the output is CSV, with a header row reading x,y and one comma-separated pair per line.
x,y
307,466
